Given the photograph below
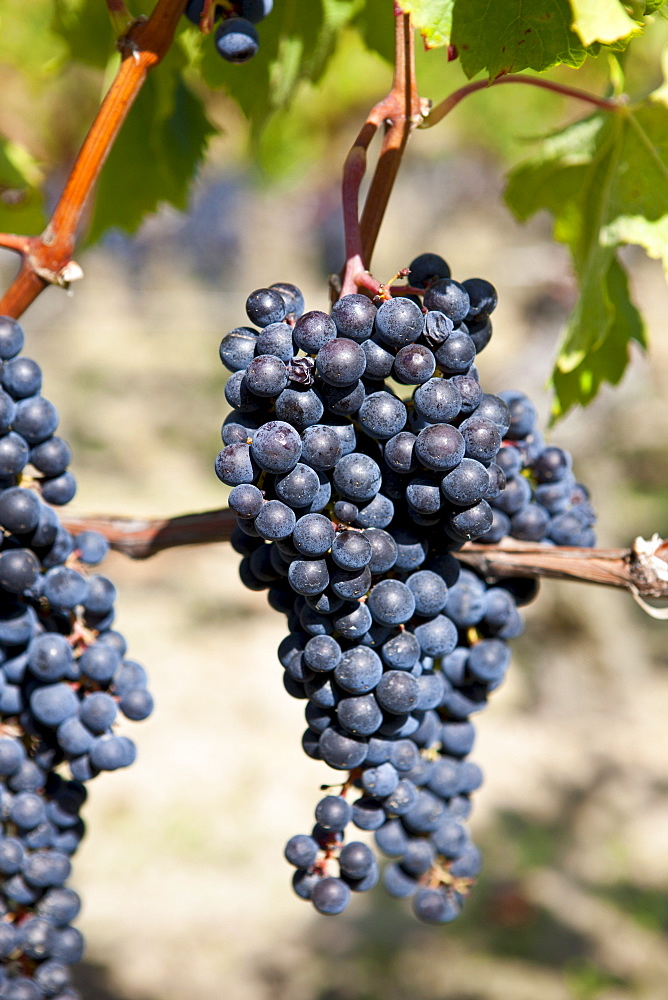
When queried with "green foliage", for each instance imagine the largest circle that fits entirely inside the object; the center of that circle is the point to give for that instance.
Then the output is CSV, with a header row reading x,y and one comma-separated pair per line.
x,y
21,209
433,18
296,43
156,153
602,21
523,34
376,28
515,35
85,28
605,181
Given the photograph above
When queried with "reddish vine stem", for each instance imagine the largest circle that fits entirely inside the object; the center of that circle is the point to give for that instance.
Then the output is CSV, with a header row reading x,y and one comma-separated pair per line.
x,y
354,169
627,568
445,107
401,110
45,258
406,114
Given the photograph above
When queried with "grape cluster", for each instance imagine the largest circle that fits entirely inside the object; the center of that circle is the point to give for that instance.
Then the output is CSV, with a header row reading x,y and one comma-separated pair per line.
x,y
351,498
541,501
236,38
63,679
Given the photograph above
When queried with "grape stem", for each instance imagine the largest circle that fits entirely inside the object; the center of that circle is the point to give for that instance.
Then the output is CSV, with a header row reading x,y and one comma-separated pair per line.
x,y
401,111
445,107
642,568
47,259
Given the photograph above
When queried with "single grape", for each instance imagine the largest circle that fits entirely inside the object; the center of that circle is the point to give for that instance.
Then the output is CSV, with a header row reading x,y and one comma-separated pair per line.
x,y
399,322
449,297
426,269
354,316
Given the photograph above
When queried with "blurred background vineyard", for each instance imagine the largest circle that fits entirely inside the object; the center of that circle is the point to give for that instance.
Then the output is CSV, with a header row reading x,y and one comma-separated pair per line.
x,y
186,893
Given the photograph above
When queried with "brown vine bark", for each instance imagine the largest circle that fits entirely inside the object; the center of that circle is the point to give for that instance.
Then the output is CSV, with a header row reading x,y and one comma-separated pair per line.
x,y
642,568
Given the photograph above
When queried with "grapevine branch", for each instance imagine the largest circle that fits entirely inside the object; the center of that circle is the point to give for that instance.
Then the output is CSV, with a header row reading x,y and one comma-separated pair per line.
x,y
401,110
47,259
642,568
439,112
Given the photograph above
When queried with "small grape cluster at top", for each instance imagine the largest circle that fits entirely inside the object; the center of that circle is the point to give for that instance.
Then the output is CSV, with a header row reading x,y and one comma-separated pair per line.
x,y
236,38
351,498
64,679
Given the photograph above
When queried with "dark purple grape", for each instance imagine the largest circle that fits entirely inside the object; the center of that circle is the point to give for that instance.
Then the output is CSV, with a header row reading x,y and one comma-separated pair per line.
x,y
467,484
237,348
265,305
399,322
423,496
239,396
234,465
340,362
297,488
437,328
14,454
456,355
482,297
391,602
351,550
398,452
313,330
382,415
449,297
344,400
354,316
299,407
426,269
291,295
276,447
552,465
275,521
266,375
482,438
440,447
19,510
523,414
276,339
377,513
321,447
493,408
438,400
357,477
379,360
413,365
480,332
330,895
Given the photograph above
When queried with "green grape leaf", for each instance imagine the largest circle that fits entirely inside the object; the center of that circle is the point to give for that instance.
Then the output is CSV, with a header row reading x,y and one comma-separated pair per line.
x,y
86,29
156,154
21,205
514,35
433,18
607,362
602,21
605,181
376,26
295,46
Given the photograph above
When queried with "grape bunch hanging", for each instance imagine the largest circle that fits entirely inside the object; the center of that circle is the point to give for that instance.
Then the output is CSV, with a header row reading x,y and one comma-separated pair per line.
x,y
64,679
236,38
362,453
